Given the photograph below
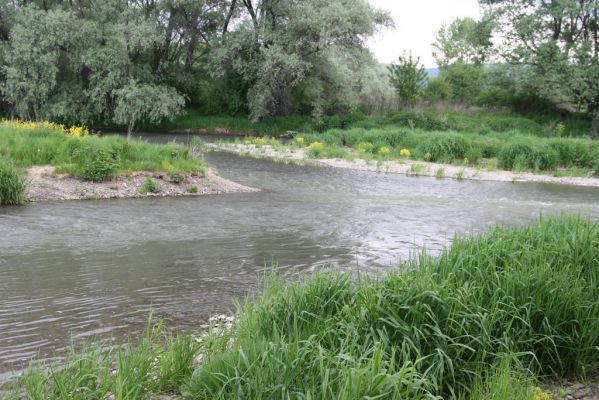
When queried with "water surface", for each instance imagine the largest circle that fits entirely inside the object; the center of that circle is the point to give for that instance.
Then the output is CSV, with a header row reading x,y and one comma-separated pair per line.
x,y
94,269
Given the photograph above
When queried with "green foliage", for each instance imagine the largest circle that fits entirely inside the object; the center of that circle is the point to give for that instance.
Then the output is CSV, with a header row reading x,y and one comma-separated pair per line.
x,y
98,166
408,78
465,41
446,147
150,186
145,102
489,312
89,64
464,81
562,55
438,89
158,362
13,186
528,154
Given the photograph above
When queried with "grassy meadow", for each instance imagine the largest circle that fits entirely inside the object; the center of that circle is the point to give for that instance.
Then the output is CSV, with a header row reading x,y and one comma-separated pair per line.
x,y
492,317
76,152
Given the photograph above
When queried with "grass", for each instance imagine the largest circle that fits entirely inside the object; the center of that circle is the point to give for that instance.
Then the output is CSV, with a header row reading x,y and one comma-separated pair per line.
x,y
486,319
91,157
158,363
149,186
12,184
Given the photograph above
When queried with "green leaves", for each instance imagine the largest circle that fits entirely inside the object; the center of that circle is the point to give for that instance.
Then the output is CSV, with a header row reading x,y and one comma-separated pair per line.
x,y
408,78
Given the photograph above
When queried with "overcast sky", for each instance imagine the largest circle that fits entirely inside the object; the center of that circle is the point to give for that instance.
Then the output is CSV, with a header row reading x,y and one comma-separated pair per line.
x,y
416,22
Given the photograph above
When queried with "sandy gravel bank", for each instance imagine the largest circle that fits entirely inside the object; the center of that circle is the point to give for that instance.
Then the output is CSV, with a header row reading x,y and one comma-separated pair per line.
x,y
46,185
408,167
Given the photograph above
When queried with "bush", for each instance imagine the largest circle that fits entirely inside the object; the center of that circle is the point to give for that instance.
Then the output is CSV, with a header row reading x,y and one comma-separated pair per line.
x,y
445,147
13,186
150,186
528,154
99,166
572,152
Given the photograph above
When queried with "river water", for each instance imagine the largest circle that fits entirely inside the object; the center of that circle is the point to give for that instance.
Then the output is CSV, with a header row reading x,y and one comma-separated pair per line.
x,y
93,270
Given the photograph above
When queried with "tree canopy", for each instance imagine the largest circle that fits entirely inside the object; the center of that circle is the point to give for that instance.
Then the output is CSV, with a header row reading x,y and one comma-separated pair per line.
x,y
558,41
86,61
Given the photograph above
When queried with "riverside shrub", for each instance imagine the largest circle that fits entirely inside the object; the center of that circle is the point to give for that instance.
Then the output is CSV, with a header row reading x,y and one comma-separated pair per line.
x,y
528,154
446,147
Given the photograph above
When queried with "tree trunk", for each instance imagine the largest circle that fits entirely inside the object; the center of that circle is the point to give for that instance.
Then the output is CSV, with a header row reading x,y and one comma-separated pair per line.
x,y
130,129
595,126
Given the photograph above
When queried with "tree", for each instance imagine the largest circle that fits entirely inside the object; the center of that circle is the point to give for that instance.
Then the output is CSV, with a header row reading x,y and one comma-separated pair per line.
x,y
408,78
145,102
464,81
80,66
278,45
559,42
464,40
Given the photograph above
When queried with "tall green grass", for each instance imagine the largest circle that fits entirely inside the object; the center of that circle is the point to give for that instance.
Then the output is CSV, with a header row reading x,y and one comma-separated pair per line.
x,y
528,295
158,362
93,158
12,184
513,150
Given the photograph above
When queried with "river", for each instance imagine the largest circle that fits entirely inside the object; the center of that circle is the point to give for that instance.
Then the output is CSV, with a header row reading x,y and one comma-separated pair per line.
x,y
95,270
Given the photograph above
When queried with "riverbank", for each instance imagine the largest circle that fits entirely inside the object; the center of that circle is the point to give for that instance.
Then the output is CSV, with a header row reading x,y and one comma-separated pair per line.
x,y
407,167
501,315
44,161
45,184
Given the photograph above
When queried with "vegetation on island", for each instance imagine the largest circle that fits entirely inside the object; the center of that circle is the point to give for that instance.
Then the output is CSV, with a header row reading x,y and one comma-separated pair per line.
x,y
491,317
76,152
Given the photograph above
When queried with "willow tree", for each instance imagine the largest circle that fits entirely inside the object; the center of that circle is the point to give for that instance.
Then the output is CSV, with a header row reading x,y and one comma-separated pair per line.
x,y
277,45
79,65
559,42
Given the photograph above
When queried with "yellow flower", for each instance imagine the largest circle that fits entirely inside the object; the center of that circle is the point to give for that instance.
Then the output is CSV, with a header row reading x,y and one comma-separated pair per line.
x,y
75,131
78,131
364,147
299,140
540,394
316,146
384,150
404,153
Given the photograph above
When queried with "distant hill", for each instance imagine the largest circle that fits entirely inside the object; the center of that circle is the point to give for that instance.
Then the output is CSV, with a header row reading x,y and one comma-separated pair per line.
x,y
432,72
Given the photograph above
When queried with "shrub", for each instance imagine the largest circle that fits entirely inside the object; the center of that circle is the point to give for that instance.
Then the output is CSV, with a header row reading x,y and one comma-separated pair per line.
x,y
528,154
572,152
595,162
445,147
315,149
176,176
150,186
99,167
12,184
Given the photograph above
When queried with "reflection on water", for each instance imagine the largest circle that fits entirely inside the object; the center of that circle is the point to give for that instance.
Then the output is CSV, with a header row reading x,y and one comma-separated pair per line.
x,y
76,270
